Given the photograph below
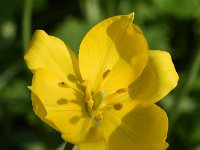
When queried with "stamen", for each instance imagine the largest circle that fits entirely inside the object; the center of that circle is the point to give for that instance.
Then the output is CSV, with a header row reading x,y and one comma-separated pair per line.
x,y
87,90
100,84
119,91
105,108
118,106
122,90
106,73
113,95
88,97
99,119
84,83
63,84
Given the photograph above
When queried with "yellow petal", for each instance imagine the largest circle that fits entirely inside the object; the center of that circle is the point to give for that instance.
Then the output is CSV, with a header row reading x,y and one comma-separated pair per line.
x,y
139,126
40,110
157,80
60,106
63,108
115,44
93,146
52,54
84,130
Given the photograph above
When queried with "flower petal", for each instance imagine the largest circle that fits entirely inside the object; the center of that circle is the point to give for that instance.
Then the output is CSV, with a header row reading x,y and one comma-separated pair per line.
x,y
117,45
140,126
157,80
52,54
58,105
93,146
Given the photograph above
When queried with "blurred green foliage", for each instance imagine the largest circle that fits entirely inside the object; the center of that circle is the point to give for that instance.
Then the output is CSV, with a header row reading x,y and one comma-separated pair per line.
x,y
171,25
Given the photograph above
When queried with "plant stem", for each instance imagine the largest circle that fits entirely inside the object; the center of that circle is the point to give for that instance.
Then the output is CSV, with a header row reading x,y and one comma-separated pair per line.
x,y
26,24
68,146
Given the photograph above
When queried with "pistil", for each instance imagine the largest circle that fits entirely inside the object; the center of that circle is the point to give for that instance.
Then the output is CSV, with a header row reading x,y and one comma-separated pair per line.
x,y
97,102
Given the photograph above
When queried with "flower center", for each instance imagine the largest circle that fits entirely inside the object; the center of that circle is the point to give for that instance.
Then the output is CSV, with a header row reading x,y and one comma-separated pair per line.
x,y
97,102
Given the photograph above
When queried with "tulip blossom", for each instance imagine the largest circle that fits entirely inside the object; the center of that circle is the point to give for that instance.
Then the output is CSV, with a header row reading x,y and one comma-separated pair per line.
x,y
104,98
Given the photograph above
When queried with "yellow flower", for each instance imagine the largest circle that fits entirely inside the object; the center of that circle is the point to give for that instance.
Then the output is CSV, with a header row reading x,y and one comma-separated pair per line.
x,y
105,99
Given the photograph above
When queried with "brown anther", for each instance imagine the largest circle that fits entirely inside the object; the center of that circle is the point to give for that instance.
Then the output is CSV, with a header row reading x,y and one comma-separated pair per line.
x,y
106,73
87,98
100,117
122,90
84,82
118,106
62,84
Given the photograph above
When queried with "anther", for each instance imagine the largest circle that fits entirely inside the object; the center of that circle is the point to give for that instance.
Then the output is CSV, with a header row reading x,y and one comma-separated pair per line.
x,y
122,90
118,106
106,73
62,84
88,96
99,119
84,83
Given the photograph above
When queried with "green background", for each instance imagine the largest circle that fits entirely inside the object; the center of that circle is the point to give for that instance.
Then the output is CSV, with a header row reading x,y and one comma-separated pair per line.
x,y
171,25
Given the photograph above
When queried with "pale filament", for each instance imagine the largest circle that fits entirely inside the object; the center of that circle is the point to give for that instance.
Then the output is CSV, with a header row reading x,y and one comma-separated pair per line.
x,y
115,94
104,76
104,102
88,97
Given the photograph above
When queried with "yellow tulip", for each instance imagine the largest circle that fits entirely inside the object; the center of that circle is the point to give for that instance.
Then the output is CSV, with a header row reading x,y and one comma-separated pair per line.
x,y
104,99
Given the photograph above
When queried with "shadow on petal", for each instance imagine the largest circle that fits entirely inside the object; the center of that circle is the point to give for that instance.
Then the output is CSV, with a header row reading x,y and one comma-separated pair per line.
x,y
72,78
74,119
144,127
62,101
127,38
